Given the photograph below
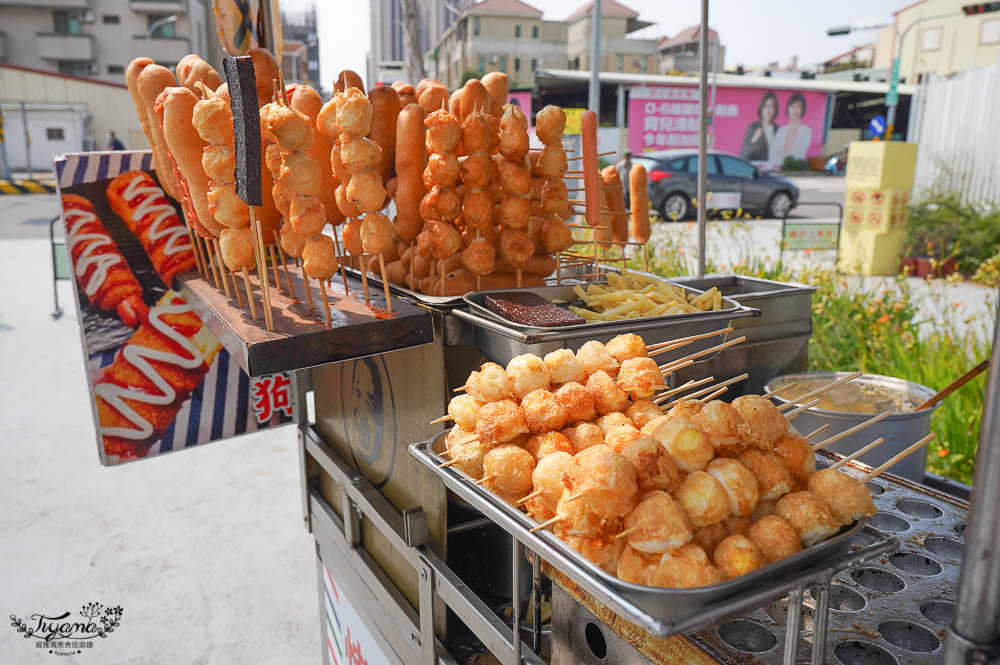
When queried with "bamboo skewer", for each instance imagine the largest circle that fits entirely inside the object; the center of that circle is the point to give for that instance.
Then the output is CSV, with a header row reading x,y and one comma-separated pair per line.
x,y
528,497
783,389
819,391
669,367
793,414
442,419
821,428
546,523
662,397
385,284
858,453
223,272
709,389
211,262
284,264
709,398
364,279
898,457
309,295
448,463
483,480
246,282
326,303
265,285
236,288
340,260
628,531
848,432
670,345
600,154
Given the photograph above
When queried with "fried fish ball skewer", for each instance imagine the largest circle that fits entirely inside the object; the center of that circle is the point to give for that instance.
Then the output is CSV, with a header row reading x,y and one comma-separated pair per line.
x,y
809,514
556,236
441,206
657,524
765,424
847,498
548,480
516,247
477,206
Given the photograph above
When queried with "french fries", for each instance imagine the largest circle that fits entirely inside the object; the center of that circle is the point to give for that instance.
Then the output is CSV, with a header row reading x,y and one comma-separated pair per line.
x,y
631,296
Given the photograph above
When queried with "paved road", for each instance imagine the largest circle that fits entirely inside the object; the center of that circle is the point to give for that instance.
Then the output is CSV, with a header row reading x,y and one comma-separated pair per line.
x,y
27,215
818,189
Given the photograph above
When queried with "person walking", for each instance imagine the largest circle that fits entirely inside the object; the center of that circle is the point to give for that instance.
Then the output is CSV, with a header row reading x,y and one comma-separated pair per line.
x,y
113,142
624,166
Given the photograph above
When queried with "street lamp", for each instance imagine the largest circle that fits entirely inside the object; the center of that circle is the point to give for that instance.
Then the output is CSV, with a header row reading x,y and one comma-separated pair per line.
x,y
892,98
156,24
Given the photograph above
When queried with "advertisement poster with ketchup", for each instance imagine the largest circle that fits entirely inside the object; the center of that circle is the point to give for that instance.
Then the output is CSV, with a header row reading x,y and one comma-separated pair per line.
x,y
160,381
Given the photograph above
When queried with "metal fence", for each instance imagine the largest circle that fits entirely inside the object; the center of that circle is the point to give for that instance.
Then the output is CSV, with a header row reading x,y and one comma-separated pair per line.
x,y
957,128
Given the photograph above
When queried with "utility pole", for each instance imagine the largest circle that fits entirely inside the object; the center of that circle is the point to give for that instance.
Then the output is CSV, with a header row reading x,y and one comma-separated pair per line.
x,y
702,208
594,99
411,41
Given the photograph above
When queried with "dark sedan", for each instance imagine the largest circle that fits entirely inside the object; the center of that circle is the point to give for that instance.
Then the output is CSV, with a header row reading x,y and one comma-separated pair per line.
x,y
733,184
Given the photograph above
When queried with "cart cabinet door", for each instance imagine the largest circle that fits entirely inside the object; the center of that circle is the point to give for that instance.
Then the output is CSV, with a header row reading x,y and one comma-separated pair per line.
x,y
159,380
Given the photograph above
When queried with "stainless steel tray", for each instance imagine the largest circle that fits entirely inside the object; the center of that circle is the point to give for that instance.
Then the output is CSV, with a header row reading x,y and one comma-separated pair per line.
x,y
438,302
662,612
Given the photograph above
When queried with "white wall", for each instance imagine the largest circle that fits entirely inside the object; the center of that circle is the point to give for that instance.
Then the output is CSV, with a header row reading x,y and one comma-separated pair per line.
x,y
68,118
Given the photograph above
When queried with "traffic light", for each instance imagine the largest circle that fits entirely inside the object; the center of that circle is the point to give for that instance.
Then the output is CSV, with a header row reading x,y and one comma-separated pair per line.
x,y
981,8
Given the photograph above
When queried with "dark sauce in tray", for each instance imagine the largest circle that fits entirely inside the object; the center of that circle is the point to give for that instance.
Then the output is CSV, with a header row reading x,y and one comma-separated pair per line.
x,y
530,309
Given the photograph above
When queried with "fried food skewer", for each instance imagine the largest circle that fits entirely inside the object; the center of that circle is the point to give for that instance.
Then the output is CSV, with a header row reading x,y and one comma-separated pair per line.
x,y
662,397
821,428
791,415
848,432
819,391
899,457
858,453
669,367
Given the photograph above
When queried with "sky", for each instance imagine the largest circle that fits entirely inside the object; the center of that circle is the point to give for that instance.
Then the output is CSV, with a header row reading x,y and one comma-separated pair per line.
x,y
753,32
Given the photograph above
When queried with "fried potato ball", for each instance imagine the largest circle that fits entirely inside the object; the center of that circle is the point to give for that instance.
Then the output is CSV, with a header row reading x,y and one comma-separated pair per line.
x,y
498,422
469,457
655,469
602,552
507,470
543,445
479,257
376,233
640,377
625,346
458,435
594,356
463,410
605,482
608,397
514,213
579,403
365,190
227,207
489,384
301,173
555,236
685,408
687,567
444,239
550,475
636,567
773,478
344,204
612,420
477,209
213,120
307,215
740,484
765,424
847,499
622,435
703,498
440,203
659,523
584,436
810,516
527,372
542,411
513,133
351,234
515,178
642,411
319,258
442,169
476,133
292,242
237,247
775,537
798,456
354,114
550,123
554,196
551,161
219,162
738,555
709,537
475,171
516,247
564,367
358,153
577,519
723,426
686,443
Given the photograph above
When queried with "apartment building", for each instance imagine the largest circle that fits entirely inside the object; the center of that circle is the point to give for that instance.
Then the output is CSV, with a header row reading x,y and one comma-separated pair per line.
x,y
939,45
98,38
300,48
619,52
680,53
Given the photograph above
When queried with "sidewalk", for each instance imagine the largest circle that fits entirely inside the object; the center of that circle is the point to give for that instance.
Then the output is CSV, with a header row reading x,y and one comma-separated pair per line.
x,y
204,550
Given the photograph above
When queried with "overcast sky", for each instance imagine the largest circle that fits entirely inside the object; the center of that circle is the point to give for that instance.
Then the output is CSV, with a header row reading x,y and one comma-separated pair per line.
x,y
754,32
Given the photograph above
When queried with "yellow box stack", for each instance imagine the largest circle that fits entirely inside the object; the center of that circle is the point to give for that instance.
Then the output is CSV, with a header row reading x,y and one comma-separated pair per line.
x,y
879,177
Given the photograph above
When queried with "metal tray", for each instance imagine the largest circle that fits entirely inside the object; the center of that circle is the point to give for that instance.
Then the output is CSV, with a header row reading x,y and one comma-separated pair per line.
x,y
438,302
662,612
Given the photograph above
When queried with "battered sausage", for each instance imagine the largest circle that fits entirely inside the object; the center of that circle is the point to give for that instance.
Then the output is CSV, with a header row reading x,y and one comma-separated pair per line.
x,y
348,79
638,203
265,72
616,204
433,98
385,110
591,176
305,99
191,68
151,81
497,87
407,95
411,158
131,82
474,96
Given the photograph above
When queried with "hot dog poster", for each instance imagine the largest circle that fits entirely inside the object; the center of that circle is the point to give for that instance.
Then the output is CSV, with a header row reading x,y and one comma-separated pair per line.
x,y
159,380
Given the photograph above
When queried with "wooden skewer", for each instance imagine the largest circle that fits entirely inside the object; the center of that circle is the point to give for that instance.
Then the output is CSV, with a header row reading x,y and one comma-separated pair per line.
x,y
848,432
326,303
662,397
821,428
628,531
274,267
858,453
600,154
236,288
284,264
484,479
223,270
448,463
364,280
442,419
783,389
709,389
819,391
385,284
308,287
246,282
529,497
265,286
194,247
518,276
791,415
669,367
199,244
709,398
459,389
899,456
587,226
683,341
211,262
955,385
681,365
546,523
340,259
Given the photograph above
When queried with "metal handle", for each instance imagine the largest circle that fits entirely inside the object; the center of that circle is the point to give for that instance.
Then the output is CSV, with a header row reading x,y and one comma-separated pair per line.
x,y
742,312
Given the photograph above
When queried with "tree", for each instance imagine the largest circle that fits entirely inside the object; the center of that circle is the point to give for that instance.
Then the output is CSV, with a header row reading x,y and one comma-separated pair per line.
x,y
411,41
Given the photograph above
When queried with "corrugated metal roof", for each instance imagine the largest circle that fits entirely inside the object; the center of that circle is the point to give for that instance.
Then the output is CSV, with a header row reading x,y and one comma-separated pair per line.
x,y
729,80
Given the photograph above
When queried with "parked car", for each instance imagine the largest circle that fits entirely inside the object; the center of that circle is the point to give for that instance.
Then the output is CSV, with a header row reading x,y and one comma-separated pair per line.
x,y
734,183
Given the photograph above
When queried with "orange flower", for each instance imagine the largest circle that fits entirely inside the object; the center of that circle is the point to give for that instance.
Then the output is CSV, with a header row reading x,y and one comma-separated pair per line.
x,y
883,319
942,453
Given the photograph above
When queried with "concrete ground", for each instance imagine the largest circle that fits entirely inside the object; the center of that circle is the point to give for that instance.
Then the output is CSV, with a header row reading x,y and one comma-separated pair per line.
x,y
204,549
